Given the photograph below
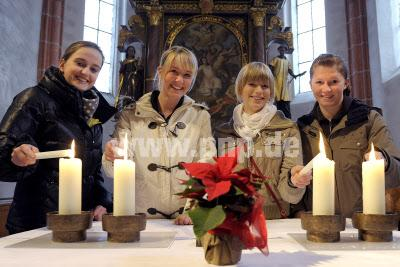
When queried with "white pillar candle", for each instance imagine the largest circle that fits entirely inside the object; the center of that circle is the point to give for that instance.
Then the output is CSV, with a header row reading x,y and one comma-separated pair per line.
x,y
323,183
373,185
70,184
124,185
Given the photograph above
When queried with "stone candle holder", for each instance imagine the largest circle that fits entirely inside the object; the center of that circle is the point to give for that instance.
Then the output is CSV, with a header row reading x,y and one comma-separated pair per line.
x,y
69,228
124,229
322,228
374,227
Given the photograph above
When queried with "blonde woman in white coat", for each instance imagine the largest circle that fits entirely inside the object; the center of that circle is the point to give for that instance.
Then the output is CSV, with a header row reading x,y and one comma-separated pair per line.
x,y
165,127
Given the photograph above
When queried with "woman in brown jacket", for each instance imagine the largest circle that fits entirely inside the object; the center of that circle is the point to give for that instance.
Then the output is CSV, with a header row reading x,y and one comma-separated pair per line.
x,y
275,139
349,127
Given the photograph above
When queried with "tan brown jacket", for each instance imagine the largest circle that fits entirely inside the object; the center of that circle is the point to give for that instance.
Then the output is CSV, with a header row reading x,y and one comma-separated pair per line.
x,y
347,143
276,150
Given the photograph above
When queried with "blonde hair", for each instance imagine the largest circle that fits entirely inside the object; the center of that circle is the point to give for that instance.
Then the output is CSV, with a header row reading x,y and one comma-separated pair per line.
x,y
183,57
254,72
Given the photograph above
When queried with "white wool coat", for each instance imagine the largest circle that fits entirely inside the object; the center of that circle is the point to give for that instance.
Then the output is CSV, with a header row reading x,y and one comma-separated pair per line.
x,y
160,146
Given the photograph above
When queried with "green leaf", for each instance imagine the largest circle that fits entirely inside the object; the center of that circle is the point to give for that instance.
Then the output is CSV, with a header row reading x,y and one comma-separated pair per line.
x,y
193,181
188,191
238,191
205,219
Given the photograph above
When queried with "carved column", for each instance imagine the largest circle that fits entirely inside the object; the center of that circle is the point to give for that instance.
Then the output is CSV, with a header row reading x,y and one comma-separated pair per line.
x,y
51,31
258,43
358,50
155,15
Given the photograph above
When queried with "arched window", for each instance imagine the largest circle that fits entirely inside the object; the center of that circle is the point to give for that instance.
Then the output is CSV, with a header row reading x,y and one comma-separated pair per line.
x,y
388,24
309,29
100,28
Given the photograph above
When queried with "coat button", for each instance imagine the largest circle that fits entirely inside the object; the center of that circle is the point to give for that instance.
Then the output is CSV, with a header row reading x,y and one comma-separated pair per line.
x,y
358,144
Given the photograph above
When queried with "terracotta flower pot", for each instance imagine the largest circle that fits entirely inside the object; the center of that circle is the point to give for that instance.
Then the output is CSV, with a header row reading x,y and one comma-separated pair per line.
x,y
221,249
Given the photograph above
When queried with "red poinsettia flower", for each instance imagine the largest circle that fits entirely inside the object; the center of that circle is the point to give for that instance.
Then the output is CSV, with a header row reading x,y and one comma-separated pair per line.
x,y
219,177
250,228
239,211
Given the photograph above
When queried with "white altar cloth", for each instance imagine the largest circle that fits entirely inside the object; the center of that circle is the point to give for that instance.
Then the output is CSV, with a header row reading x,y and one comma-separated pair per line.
x,y
287,244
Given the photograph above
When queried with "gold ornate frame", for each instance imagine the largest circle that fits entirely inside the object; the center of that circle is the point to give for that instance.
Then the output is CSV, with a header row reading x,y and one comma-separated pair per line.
x,y
219,63
175,26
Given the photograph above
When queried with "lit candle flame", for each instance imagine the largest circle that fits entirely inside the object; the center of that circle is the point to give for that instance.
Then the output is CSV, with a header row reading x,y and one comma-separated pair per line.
x,y
125,147
72,153
372,155
321,145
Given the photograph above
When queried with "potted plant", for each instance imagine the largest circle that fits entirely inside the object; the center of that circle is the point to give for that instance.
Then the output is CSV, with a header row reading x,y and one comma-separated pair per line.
x,y
228,215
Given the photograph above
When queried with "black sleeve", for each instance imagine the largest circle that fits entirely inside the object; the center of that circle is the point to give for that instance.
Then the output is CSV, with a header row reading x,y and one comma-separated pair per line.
x,y
305,204
102,196
19,126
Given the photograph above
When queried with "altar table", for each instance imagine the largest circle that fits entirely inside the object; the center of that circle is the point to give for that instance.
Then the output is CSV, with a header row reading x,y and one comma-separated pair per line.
x,y
165,244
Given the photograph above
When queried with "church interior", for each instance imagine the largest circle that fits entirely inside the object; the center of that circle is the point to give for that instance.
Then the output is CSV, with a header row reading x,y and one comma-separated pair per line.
x,y
224,36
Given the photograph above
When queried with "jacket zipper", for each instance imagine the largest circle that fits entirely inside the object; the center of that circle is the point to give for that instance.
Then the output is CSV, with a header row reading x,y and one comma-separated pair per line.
x,y
330,127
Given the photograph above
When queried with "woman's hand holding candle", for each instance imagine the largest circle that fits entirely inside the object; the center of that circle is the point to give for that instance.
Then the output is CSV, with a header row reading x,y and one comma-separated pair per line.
x,y
27,154
24,155
299,179
112,150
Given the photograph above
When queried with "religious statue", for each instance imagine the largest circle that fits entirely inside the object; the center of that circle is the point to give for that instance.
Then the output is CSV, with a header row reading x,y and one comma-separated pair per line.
x,y
281,67
131,79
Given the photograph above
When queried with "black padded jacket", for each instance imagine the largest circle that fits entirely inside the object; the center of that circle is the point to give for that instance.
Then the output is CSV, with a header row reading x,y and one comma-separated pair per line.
x,y
49,116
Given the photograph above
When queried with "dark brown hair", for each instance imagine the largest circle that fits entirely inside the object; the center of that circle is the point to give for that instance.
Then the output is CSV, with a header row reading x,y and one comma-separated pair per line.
x,y
71,49
331,60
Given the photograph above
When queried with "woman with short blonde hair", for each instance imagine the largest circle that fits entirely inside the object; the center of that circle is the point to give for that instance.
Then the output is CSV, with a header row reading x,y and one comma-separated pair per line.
x,y
272,140
165,127
255,71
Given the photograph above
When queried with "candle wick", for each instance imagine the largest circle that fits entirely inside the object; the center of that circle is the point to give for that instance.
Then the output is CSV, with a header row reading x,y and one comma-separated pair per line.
x,y
126,147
